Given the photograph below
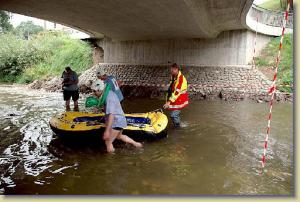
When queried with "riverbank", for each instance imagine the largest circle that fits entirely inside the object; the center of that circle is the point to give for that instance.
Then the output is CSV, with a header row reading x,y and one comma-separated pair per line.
x,y
266,62
205,82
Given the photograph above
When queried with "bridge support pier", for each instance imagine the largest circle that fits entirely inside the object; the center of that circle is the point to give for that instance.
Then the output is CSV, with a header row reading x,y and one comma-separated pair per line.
x,y
229,48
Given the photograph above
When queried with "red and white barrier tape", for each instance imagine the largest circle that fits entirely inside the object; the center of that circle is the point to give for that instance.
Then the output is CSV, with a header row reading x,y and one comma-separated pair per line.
x,y
273,88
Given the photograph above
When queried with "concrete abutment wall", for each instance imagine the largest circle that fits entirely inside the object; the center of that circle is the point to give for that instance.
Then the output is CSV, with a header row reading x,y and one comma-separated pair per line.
x,y
229,48
98,55
216,67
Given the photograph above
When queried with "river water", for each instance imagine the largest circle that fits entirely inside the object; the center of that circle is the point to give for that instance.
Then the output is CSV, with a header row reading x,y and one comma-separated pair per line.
x,y
217,152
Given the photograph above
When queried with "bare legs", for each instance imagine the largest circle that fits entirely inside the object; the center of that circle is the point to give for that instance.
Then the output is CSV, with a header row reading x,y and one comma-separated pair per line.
x,y
109,140
76,109
68,105
118,134
68,108
128,140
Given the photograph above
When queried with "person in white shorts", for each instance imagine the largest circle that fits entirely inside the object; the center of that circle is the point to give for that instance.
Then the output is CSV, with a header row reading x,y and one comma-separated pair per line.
x,y
115,123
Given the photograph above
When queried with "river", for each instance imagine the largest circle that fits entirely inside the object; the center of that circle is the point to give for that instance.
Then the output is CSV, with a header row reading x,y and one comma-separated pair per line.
x,y
217,152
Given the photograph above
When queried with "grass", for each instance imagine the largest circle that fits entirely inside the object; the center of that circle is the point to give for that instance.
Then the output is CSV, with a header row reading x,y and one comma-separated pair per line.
x,y
272,5
285,70
59,51
44,55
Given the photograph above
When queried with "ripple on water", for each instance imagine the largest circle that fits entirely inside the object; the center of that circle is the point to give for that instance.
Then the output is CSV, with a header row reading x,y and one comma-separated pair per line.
x,y
217,151
31,112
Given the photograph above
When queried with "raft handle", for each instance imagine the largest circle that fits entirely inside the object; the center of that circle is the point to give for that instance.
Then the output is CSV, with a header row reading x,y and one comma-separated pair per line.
x,y
158,110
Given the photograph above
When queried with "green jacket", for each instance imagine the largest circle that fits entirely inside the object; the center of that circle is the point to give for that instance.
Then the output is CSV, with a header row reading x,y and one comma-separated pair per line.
x,y
102,100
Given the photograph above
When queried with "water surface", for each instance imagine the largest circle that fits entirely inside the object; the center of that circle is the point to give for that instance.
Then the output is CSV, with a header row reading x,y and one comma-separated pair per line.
x,y
216,152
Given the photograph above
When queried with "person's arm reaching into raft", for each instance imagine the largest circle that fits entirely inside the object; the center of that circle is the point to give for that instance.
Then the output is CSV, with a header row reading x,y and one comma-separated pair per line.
x,y
175,94
177,91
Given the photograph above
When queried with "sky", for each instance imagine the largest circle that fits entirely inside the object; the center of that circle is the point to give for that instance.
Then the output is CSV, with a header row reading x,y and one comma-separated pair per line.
x,y
16,19
259,1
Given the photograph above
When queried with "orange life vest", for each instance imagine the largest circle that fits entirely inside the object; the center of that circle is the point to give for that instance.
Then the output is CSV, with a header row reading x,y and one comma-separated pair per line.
x,y
178,95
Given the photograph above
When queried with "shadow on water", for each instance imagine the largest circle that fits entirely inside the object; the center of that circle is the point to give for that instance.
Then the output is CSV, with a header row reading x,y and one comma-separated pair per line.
x,y
216,152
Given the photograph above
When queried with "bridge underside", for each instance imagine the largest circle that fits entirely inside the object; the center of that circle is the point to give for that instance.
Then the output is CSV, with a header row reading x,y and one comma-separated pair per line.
x,y
198,32
139,20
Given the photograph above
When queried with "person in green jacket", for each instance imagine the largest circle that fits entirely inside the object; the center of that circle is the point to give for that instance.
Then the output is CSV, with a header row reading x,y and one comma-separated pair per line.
x,y
115,117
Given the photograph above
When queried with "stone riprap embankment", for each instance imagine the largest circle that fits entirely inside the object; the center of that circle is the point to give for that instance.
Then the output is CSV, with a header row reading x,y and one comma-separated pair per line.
x,y
205,82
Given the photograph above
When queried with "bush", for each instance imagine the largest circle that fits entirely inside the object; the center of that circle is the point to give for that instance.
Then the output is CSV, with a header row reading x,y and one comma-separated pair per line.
x,y
285,70
15,55
44,55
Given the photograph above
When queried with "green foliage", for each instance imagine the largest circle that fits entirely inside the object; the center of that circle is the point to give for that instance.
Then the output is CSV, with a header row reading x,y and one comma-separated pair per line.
x,y
285,70
15,55
279,5
5,25
27,29
44,55
261,62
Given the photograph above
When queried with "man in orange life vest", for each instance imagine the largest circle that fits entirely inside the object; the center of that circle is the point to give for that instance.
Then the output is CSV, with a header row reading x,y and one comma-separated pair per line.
x,y
177,97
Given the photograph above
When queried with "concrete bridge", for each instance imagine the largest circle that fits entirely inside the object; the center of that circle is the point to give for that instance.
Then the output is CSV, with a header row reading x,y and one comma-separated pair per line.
x,y
194,32
134,40
139,20
268,22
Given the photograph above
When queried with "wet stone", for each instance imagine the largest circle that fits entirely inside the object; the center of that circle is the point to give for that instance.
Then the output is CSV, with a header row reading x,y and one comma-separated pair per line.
x,y
208,81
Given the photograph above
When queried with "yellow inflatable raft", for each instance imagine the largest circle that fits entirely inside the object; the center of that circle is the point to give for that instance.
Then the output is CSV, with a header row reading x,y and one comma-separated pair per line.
x,y
141,126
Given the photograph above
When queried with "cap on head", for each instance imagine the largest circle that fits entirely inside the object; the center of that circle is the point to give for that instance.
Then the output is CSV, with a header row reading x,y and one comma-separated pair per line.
x,y
100,72
97,85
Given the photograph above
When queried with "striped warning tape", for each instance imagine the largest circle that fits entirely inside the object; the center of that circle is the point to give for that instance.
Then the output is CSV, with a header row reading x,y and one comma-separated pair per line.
x,y
272,89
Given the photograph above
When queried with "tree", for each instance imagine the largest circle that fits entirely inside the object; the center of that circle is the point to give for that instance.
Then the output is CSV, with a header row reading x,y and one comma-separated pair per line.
x,y
28,28
5,25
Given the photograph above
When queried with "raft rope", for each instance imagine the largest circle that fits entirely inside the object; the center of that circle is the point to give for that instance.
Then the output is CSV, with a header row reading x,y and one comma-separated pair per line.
x,y
273,89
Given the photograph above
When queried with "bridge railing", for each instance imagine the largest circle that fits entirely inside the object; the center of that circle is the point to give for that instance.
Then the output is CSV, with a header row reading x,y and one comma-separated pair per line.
x,y
270,17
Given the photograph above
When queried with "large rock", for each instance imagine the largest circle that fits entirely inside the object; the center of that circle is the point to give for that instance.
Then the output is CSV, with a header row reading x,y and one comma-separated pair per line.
x,y
53,84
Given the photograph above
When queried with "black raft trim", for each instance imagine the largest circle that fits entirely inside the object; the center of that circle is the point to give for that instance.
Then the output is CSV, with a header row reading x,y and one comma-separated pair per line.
x,y
137,135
